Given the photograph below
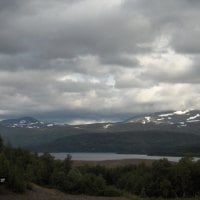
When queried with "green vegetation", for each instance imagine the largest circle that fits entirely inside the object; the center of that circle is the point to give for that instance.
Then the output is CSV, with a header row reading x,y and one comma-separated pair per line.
x,y
164,179
149,139
151,142
25,137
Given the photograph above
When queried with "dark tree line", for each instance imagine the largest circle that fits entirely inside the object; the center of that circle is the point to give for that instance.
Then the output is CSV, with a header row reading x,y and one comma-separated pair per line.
x,y
20,168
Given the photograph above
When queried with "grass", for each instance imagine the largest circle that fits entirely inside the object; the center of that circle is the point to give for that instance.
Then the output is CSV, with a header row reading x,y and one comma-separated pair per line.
x,y
41,193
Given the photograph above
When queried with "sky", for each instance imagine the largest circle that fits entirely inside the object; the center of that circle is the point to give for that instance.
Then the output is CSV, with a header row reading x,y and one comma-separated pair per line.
x,y
84,61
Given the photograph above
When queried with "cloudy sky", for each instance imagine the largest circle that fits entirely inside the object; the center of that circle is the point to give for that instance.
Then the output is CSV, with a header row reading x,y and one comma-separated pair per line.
x,y
81,61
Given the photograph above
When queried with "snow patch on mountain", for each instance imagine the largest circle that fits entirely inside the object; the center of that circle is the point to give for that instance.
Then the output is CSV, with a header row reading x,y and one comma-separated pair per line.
x,y
107,126
25,122
148,118
166,115
50,125
178,118
191,121
175,113
193,117
181,112
143,122
160,119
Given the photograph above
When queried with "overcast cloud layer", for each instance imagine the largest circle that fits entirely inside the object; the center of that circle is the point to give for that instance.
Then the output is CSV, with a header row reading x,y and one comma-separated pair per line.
x,y
96,60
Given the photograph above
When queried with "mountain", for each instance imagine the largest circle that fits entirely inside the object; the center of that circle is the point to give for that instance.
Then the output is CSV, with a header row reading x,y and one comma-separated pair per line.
x,y
187,121
24,122
28,131
169,132
25,137
138,142
179,118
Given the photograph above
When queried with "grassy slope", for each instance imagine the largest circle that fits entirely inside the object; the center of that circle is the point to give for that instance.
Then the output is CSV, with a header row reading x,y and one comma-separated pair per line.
x,y
40,193
27,137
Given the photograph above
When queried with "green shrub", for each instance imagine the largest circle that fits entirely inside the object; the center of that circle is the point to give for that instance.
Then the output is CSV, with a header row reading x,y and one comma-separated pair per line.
x,y
111,191
93,185
73,181
16,182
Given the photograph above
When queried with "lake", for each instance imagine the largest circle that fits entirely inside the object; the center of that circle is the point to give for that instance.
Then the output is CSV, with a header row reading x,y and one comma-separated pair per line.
x,y
111,156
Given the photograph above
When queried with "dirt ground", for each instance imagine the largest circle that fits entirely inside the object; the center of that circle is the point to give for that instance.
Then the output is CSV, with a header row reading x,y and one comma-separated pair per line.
x,y
40,193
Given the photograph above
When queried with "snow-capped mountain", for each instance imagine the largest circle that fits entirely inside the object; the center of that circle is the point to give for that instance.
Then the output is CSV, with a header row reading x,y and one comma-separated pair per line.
x,y
25,122
168,120
170,131
179,118
181,121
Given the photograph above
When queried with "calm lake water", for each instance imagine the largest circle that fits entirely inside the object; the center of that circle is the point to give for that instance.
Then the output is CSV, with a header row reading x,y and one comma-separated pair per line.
x,y
110,156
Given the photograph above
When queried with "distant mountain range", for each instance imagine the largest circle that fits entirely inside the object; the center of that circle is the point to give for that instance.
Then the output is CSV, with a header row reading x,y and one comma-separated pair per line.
x,y
180,121
24,122
179,118
169,132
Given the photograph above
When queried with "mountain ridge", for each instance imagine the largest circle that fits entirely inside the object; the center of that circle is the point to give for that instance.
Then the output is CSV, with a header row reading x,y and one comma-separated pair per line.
x,y
161,117
150,134
24,122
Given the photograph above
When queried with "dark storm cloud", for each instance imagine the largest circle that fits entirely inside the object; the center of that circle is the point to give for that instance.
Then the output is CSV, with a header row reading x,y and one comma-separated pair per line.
x,y
44,34
10,5
94,59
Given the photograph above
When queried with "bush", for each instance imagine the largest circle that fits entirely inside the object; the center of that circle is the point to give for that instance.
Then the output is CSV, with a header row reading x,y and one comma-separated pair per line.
x,y
58,179
16,182
73,182
93,185
29,186
111,191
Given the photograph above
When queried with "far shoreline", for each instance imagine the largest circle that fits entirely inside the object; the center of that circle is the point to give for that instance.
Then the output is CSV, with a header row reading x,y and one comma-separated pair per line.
x,y
97,157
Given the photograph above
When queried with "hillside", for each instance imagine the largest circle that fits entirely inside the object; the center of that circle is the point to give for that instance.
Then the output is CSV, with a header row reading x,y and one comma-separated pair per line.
x,y
169,132
141,142
187,121
22,137
41,193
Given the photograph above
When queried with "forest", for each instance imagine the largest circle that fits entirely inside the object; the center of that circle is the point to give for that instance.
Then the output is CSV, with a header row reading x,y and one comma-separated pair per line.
x,y
20,168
